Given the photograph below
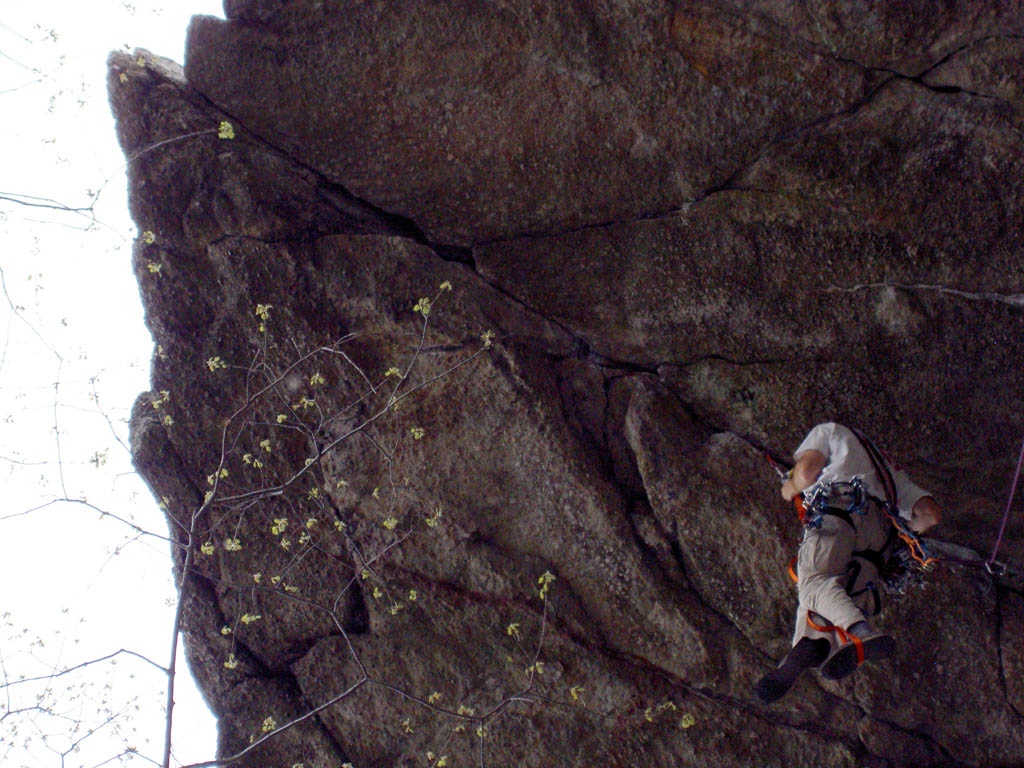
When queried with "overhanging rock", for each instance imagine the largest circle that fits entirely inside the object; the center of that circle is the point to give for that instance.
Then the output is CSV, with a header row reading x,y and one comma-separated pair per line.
x,y
655,241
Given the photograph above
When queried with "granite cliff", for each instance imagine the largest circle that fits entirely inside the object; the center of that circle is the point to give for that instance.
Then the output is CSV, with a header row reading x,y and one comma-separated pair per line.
x,y
694,229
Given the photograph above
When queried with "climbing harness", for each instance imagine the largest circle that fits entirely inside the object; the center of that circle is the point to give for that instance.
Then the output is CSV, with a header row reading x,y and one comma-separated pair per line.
x,y
910,558
903,559
843,499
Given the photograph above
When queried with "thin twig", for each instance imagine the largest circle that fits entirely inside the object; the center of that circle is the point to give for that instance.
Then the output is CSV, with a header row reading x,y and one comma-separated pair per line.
x,y
103,513
53,675
281,729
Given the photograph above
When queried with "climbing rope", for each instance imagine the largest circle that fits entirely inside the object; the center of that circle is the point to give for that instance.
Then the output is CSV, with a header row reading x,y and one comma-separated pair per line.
x,y
993,566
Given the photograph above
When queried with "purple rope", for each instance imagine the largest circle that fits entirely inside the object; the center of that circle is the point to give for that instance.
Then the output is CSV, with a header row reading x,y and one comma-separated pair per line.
x,y
1009,503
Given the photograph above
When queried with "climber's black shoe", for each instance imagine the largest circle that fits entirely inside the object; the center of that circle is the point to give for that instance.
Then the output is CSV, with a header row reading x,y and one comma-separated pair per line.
x,y
805,654
865,644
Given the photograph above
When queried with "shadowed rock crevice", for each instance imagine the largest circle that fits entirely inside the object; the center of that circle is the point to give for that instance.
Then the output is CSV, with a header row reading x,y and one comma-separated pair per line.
x,y
356,215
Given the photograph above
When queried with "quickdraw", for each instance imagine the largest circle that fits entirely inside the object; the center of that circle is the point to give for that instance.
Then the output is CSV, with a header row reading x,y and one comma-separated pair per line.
x,y
836,498
901,572
993,566
915,546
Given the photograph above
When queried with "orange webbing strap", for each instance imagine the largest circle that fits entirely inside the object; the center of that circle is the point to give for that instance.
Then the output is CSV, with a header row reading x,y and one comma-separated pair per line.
x,y
844,636
792,570
913,543
801,510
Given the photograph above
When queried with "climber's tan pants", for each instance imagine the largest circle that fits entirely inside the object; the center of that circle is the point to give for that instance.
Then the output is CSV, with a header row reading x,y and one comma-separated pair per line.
x,y
825,567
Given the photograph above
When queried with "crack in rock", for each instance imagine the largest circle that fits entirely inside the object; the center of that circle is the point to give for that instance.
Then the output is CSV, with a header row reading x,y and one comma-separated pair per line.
x,y
1013,299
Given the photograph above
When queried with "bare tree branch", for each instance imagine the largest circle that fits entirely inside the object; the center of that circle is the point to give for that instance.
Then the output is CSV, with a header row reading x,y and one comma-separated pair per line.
x,y
31,201
141,531
7,684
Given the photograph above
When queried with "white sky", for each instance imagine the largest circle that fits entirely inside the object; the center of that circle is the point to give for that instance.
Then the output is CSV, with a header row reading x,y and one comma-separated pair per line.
x,y
74,586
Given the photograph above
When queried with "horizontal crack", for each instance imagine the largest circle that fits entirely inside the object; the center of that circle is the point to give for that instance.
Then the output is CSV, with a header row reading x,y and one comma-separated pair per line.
x,y
957,51
774,719
305,240
1013,299
931,67
727,185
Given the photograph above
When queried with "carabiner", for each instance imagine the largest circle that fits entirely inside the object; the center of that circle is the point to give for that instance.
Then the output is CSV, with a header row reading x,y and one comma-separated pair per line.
x,y
995,568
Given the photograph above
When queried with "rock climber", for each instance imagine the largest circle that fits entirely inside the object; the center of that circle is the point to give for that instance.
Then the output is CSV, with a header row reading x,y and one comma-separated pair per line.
x,y
846,485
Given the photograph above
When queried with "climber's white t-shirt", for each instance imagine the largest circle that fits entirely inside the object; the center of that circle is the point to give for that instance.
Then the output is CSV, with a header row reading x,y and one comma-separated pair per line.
x,y
846,458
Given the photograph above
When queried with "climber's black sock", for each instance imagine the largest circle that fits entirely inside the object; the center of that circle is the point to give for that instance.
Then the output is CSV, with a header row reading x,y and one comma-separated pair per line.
x,y
860,629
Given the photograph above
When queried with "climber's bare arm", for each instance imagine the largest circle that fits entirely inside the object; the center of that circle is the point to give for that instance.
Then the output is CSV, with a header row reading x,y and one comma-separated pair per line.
x,y
806,471
925,514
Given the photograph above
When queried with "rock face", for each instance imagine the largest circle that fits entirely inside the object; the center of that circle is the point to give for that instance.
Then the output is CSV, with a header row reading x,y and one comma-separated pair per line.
x,y
694,229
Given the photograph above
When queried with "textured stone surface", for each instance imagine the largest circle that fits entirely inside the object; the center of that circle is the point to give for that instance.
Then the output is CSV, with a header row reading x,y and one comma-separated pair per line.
x,y
482,121
696,229
1012,649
